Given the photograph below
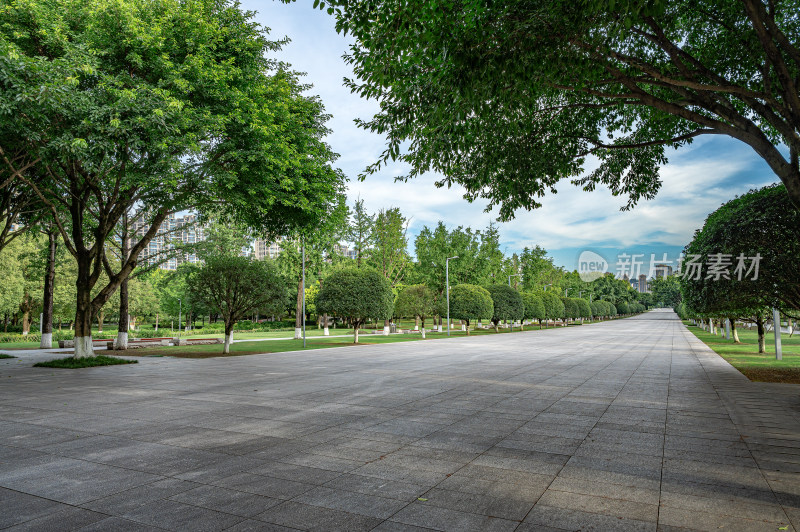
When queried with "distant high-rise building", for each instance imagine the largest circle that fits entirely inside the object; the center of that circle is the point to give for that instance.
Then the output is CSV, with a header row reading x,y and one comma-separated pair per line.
x,y
643,284
174,230
662,270
264,249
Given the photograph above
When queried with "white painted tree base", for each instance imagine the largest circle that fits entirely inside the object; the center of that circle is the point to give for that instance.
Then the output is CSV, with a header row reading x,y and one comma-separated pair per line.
x,y
46,341
228,342
326,331
83,347
122,341
355,335
416,327
463,327
423,332
386,330
298,333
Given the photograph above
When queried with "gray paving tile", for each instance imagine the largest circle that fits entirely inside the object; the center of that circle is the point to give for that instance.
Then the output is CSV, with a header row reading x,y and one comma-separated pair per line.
x,y
591,426
226,500
309,517
425,515
172,515
68,518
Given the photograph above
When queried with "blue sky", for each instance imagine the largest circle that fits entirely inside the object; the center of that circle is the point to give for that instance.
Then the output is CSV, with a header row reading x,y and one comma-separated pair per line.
x,y
696,181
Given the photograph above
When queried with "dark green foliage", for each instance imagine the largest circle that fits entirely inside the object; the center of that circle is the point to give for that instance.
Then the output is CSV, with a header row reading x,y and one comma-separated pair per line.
x,y
584,310
666,290
507,303
508,98
416,300
470,302
84,362
357,294
236,286
553,306
760,222
622,308
3,355
571,310
156,107
534,306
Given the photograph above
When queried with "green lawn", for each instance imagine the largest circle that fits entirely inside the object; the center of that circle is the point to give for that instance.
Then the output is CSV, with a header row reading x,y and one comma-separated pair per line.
x,y
312,342
745,356
86,362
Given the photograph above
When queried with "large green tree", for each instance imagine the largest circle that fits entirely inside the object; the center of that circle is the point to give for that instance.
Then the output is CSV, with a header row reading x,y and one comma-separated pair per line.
x,y
357,294
534,307
469,302
167,105
507,98
666,290
507,302
236,286
748,248
416,300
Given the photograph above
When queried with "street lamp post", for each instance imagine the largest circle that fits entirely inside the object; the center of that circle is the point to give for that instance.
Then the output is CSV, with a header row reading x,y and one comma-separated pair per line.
x,y
447,288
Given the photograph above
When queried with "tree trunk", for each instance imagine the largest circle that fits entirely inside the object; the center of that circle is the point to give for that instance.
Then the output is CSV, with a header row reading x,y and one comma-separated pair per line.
x,y
734,332
386,328
325,330
156,329
228,337
467,327
298,315
46,341
26,315
790,326
416,323
494,322
83,322
101,315
121,343
762,341
355,333
26,307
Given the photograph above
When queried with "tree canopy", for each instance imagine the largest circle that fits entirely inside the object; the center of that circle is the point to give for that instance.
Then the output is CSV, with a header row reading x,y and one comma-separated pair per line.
x,y
161,105
761,223
534,306
357,294
235,286
508,98
470,302
507,302
416,300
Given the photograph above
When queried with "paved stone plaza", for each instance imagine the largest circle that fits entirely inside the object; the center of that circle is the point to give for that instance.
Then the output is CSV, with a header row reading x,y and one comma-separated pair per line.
x,y
627,425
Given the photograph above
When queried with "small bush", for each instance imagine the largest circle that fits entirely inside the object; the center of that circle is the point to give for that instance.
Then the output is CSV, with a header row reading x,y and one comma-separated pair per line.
x,y
85,362
6,356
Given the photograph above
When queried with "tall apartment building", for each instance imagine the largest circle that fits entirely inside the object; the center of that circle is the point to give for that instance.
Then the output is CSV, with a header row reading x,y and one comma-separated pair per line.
x,y
644,286
263,249
173,231
662,270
